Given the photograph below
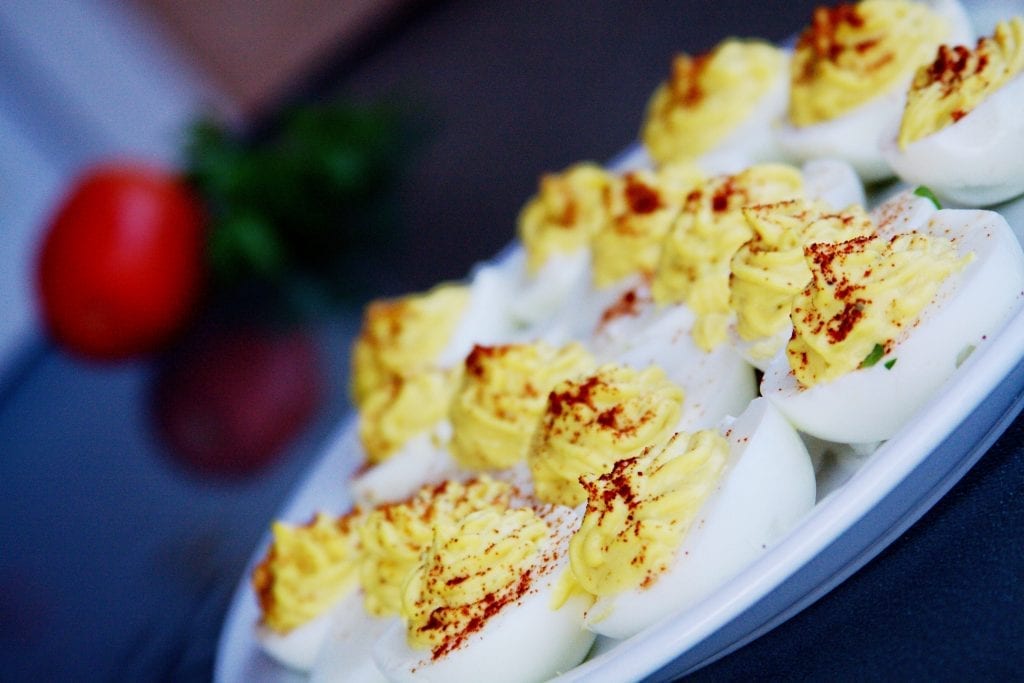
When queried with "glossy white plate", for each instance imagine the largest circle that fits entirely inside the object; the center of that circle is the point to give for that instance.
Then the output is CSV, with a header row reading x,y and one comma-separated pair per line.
x,y
862,513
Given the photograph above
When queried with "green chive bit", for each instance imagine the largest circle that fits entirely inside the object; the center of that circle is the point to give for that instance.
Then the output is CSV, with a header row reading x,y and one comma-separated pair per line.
x,y
922,191
964,354
890,363
873,357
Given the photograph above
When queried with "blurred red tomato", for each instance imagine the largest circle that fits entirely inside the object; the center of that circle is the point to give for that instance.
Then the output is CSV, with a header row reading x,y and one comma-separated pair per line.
x,y
121,264
229,402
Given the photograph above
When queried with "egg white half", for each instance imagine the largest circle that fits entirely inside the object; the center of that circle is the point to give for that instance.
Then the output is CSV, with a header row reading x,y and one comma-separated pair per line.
x,y
836,183
557,304
854,136
715,383
344,656
584,318
976,161
422,460
486,319
526,641
970,307
754,140
298,648
541,301
767,486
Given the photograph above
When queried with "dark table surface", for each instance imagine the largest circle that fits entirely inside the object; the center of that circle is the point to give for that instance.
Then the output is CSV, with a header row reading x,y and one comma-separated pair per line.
x,y
117,563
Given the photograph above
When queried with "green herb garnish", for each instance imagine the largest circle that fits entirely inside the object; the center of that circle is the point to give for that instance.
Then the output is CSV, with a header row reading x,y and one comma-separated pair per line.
x,y
922,191
303,211
890,363
873,357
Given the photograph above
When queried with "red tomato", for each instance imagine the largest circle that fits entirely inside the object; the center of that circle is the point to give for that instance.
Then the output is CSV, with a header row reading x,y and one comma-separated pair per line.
x,y
229,402
121,265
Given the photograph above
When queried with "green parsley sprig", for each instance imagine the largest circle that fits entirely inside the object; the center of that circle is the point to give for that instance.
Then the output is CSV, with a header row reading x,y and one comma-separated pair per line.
x,y
295,215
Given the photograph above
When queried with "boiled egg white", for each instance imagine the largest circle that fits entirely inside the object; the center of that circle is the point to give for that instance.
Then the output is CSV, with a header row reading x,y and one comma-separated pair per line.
x,y
424,459
543,303
763,484
639,334
344,656
309,573
832,181
976,159
969,307
529,637
487,318
853,135
719,110
299,648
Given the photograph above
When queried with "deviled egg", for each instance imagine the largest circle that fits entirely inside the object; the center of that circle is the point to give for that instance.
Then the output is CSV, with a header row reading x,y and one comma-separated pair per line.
x,y
309,572
593,420
962,132
502,396
433,329
552,271
400,336
769,270
669,524
404,430
850,71
392,538
405,367
487,601
886,319
693,267
719,110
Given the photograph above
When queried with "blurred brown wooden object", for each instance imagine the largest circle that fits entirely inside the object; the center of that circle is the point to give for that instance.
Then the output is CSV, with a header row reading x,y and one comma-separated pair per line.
x,y
255,51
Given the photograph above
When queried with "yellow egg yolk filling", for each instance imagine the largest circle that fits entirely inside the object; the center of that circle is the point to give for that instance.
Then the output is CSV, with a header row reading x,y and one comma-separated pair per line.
x,y
865,295
395,536
404,408
769,270
852,53
708,96
641,206
694,263
638,513
502,397
402,336
307,570
565,214
472,569
960,79
590,423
